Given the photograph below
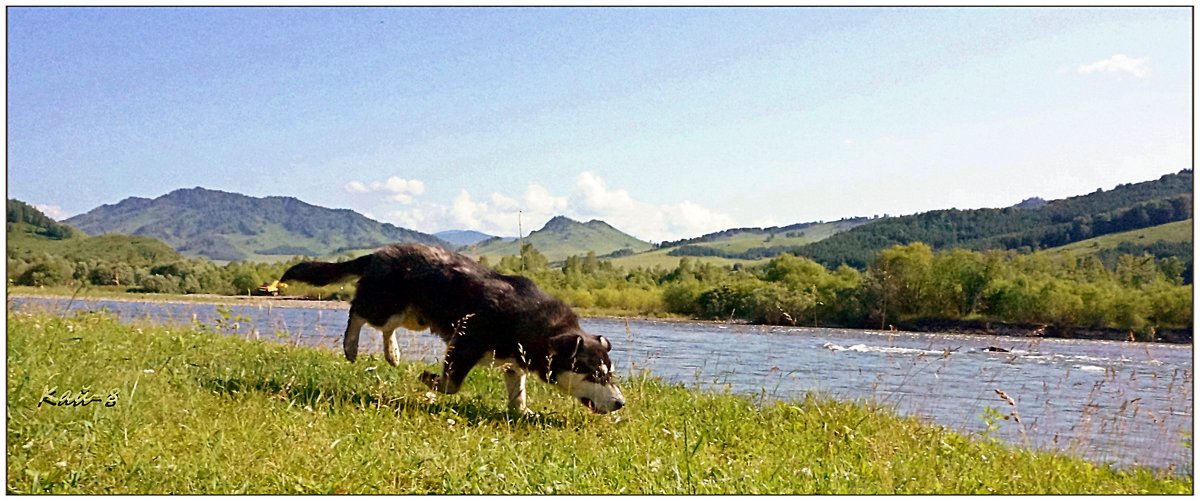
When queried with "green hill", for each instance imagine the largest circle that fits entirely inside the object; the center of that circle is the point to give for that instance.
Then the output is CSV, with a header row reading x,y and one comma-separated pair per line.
x,y
232,227
1171,240
562,237
36,222
737,246
1171,233
1057,223
31,233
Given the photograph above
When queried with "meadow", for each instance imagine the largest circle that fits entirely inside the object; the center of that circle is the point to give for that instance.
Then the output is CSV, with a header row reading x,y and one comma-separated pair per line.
x,y
194,410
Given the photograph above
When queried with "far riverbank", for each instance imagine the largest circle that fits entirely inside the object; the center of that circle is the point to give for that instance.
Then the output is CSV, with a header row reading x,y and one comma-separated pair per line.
x,y
976,327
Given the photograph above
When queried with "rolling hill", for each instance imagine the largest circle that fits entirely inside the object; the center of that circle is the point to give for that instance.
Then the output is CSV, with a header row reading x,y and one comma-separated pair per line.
x,y
31,233
1053,224
1171,233
1162,241
724,247
562,237
231,227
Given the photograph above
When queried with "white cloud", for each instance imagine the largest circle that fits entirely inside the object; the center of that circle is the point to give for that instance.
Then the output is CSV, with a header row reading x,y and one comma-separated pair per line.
x,y
1117,63
690,219
397,189
539,200
52,211
592,198
415,219
466,212
644,220
598,199
501,202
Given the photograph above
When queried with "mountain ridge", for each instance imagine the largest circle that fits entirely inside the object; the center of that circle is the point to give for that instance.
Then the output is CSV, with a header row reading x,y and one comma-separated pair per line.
x,y
562,237
1055,223
219,225
224,226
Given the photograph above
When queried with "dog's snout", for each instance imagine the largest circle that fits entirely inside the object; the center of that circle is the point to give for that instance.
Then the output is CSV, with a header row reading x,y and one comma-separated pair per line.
x,y
618,404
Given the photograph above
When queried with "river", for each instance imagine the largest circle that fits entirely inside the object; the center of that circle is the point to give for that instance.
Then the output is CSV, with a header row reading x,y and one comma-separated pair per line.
x,y
1111,402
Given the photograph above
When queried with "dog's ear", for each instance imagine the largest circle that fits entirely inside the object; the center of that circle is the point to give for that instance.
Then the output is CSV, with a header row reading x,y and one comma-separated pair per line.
x,y
566,345
604,343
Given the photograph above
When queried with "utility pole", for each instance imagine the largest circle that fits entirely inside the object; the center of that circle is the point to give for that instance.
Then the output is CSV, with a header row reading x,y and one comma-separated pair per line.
x,y
520,241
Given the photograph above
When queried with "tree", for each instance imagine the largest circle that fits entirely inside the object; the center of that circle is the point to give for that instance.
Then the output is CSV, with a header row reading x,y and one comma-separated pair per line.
x,y
245,281
46,271
958,279
898,281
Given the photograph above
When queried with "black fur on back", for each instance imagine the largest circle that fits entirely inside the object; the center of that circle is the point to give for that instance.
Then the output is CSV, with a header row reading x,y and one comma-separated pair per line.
x,y
484,311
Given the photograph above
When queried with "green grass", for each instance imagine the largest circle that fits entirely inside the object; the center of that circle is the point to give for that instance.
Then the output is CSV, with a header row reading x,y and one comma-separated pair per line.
x,y
199,412
1179,231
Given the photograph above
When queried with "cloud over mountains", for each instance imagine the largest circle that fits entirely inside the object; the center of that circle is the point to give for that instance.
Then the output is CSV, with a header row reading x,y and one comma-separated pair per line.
x,y
497,213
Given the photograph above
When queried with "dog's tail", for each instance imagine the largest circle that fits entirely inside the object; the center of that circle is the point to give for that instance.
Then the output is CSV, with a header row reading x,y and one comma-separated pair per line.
x,y
319,273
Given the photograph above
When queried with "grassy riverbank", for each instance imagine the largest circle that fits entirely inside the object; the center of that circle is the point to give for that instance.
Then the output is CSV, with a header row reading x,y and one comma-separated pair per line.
x,y
198,412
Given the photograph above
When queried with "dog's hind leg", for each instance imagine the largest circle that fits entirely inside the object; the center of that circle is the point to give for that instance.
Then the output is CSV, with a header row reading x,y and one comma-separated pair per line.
x,y
391,351
350,342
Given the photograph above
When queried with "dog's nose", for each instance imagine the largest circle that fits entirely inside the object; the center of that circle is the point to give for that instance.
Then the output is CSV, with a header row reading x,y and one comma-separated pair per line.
x,y
618,404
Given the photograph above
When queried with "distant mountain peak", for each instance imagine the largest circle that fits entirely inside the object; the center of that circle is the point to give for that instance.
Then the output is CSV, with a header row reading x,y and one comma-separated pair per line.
x,y
559,223
230,226
198,190
1031,203
561,237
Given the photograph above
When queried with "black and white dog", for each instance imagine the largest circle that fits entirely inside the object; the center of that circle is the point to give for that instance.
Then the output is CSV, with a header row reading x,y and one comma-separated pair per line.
x,y
483,316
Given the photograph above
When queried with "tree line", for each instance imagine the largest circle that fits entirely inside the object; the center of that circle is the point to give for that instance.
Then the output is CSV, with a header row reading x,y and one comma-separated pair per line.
x,y
1126,207
903,283
21,212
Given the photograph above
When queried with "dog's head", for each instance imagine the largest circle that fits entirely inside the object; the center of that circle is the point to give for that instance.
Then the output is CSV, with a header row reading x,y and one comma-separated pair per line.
x,y
579,365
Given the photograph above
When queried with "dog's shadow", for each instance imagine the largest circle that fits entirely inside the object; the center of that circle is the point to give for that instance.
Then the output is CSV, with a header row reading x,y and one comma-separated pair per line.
x,y
327,394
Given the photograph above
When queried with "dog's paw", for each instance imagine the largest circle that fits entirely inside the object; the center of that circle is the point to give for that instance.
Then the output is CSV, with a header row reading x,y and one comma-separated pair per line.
x,y
431,380
392,356
520,413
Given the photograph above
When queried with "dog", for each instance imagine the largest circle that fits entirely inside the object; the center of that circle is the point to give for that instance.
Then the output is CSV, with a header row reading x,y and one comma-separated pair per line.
x,y
483,316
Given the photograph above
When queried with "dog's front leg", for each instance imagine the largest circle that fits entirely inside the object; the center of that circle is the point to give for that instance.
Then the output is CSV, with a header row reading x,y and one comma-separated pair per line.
x,y
350,341
458,362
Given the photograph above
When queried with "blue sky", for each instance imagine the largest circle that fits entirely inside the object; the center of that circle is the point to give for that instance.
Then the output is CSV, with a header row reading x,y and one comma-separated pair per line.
x,y
665,122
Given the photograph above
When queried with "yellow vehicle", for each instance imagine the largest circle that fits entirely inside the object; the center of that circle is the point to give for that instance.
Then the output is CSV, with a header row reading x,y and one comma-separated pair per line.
x,y
269,289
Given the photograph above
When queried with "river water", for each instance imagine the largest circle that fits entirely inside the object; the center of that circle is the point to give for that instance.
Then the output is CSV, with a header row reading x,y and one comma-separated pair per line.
x,y
1111,402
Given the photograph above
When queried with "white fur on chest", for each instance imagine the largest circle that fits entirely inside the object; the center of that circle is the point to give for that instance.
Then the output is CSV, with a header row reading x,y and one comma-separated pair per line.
x,y
410,319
